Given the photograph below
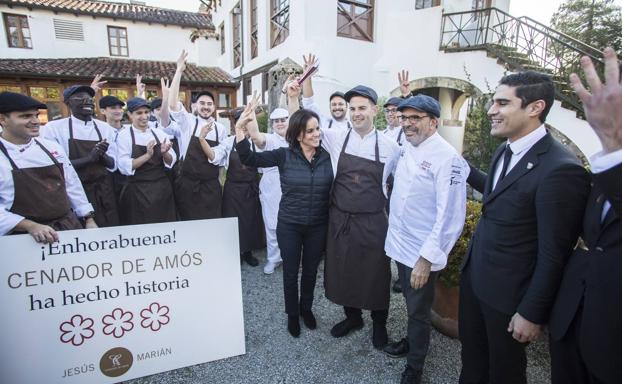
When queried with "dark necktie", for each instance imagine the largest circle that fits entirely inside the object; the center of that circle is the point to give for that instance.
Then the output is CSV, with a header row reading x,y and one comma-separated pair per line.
x,y
507,156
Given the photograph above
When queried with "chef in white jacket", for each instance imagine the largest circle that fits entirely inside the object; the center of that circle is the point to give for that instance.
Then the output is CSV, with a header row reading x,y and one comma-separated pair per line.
x,y
428,207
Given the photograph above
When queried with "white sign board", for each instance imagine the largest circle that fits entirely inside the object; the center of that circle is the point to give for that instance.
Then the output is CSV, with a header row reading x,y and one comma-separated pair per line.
x,y
111,304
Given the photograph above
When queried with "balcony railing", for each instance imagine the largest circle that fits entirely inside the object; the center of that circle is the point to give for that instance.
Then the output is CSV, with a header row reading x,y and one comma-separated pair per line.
x,y
522,43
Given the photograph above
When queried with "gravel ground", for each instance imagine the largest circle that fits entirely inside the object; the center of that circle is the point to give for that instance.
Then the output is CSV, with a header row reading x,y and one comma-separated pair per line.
x,y
273,356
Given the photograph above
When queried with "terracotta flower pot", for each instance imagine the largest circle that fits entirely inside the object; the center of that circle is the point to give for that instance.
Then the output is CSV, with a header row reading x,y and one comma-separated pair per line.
x,y
445,309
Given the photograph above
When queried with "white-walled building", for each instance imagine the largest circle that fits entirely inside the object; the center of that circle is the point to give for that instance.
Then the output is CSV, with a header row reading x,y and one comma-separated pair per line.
x,y
368,42
48,44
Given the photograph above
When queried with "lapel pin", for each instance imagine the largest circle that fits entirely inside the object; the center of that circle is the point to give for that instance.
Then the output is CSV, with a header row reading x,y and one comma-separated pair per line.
x,y
529,165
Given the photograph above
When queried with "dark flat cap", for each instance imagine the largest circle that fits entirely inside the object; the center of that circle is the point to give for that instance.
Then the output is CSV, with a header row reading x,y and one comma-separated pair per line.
x,y
16,102
137,102
361,90
422,103
394,101
72,90
337,94
203,93
156,103
109,101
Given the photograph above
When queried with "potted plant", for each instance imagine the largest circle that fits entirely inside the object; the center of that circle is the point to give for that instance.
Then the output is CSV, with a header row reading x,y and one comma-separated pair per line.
x,y
446,297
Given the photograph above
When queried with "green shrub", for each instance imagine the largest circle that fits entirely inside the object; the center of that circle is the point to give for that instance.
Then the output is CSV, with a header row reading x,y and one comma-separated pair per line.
x,y
450,276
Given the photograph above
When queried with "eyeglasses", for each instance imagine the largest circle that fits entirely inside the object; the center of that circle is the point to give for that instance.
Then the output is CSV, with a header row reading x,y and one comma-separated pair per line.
x,y
283,120
390,110
413,119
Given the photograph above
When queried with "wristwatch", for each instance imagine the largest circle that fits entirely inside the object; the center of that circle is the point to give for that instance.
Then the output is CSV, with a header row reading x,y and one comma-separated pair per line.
x,y
90,215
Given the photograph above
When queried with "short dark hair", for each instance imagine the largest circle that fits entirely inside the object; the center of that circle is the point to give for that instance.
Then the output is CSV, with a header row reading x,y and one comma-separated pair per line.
x,y
297,124
531,86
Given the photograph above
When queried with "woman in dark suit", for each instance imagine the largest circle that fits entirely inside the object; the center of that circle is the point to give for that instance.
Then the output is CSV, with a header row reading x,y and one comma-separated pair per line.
x,y
306,175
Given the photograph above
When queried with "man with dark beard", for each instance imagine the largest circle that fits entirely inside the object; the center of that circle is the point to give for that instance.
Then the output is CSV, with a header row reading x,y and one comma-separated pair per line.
x,y
91,149
197,189
338,106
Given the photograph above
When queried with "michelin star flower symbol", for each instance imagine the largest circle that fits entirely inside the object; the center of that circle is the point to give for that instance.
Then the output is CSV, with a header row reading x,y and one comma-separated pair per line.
x,y
76,330
154,316
118,323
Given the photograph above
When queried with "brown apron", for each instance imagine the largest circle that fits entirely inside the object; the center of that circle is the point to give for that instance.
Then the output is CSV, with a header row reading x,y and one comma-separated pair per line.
x,y
197,189
147,196
357,273
40,194
241,199
96,179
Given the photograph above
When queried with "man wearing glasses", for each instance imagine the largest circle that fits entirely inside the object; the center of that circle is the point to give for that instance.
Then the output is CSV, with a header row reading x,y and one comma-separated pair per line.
x,y
391,114
428,207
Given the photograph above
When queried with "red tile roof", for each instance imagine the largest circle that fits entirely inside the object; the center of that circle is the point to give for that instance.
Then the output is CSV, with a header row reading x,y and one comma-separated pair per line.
x,y
112,69
120,11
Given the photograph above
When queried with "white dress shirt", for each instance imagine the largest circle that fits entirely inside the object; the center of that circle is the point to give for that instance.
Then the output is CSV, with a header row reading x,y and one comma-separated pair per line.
x,y
389,151
34,157
428,203
58,130
394,133
185,122
519,148
326,121
602,162
124,147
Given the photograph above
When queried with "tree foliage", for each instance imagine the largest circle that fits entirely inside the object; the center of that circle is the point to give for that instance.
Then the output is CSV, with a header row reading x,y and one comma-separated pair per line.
x,y
597,23
479,145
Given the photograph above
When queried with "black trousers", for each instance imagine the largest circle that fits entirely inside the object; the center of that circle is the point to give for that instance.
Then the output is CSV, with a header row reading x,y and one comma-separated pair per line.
x,y
567,365
489,352
419,304
296,242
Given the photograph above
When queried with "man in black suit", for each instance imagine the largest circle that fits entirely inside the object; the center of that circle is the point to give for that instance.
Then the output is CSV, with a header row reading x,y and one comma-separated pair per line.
x,y
533,200
586,321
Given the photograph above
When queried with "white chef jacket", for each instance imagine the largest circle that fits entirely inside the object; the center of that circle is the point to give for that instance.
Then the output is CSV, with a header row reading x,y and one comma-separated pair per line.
x,y
124,147
273,141
326,121
184,125
394,133
389,151
33,157
428,203
58,130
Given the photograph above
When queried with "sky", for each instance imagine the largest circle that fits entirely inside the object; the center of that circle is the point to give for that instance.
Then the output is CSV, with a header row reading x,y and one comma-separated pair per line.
x,y
540,10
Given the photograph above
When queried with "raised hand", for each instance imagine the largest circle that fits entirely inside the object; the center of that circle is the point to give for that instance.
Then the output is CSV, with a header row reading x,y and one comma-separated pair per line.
x,y
165,85
97,82
603,102
181,61
402,78
309,61
140,86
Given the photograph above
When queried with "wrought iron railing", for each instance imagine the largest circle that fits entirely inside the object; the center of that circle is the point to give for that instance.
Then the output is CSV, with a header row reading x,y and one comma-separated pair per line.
x,y
522,43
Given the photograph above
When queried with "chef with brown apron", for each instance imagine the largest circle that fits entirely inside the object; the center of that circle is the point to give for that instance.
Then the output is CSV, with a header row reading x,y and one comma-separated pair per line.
x,y
198,191
357,273
90,146
143,155
241,199
40,193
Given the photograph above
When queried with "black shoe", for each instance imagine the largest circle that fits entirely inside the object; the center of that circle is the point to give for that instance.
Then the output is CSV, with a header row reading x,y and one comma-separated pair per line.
x,y
410,376
379,336
397,349
397,286
250,259
344,327
293,325
308,319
